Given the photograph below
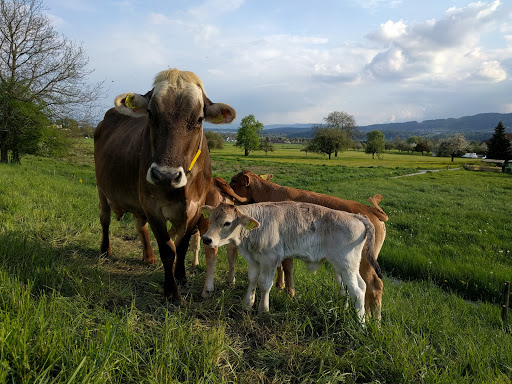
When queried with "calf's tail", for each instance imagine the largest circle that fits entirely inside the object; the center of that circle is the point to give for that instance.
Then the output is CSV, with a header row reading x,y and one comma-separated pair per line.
x,y
370,244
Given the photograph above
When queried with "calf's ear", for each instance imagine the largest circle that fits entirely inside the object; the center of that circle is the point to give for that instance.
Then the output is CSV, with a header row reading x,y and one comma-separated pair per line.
x,y
206,210
219,113
248,222
267,177
132,104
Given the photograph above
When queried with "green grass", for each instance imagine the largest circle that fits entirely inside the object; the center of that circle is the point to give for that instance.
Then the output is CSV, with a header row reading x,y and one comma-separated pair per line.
x,y
68,316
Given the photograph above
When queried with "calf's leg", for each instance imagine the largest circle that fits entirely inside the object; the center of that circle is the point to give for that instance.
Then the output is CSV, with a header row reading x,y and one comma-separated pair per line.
x,y
265,280
253,273
195,246
211,258
232,252
148,255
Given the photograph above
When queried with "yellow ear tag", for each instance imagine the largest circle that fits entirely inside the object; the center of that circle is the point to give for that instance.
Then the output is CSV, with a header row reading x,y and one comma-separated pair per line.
x,y
218,119
205,213
128,102
264,177
250,225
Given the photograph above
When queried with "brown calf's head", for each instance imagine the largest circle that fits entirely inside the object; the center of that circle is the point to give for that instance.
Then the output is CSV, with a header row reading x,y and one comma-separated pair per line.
x,y
175,109
226,225
242,183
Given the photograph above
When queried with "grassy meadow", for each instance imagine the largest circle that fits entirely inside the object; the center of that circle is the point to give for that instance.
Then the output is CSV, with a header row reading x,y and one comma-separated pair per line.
x,y
69,316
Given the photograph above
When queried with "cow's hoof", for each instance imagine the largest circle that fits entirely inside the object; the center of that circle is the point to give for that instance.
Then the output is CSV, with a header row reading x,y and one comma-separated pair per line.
x,y
183,283
207,294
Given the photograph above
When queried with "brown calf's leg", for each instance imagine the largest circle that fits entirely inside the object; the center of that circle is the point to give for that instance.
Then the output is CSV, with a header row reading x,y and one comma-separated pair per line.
x,y
148,255
287,266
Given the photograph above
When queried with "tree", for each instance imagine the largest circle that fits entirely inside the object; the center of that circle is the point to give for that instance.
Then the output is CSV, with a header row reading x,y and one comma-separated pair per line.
x,y
344,130
335,136
423,145
248,135
453,146
266,145
214,140
41,72
375,143
499,147
323,141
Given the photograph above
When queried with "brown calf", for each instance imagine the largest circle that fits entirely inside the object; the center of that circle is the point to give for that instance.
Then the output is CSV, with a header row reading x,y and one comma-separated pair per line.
x,y
256,190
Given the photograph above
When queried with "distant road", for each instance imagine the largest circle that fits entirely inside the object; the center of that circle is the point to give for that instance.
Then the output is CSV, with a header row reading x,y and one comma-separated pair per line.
x,y
423,171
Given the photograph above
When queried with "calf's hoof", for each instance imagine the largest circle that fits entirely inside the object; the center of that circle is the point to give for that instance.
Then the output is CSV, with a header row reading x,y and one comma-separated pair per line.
x,y
150,260
207,294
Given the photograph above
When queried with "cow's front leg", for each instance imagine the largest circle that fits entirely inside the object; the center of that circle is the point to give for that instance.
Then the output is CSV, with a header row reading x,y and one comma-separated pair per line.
x,y
105,212
167,251
181,252
253,273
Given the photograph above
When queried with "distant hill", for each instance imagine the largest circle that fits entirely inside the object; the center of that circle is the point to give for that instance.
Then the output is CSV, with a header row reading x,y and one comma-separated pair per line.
x,y
477,127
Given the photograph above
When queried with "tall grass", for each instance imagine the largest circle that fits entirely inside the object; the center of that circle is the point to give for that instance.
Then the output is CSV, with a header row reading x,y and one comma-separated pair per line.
x,y
67,315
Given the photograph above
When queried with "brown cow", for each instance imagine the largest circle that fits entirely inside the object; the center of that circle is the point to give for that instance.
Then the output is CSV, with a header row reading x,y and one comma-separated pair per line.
x,y
256,189
152,160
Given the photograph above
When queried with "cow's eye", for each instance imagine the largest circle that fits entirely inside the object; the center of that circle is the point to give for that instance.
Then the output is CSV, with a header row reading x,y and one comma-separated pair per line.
x,y
200,120
227,223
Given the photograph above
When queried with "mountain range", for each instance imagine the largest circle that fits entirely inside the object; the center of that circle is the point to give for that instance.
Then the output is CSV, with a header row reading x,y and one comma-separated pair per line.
x,y
476,127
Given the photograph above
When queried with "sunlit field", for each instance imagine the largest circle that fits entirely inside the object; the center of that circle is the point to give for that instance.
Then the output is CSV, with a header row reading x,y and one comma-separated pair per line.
x,y
68,316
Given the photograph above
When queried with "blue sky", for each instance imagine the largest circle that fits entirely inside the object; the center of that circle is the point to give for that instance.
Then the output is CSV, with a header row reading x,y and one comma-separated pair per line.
x,y
295,61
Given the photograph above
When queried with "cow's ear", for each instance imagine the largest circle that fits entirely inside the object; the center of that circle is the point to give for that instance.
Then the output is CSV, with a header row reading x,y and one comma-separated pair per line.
x,y
219,113
248,222
247,180
267,177
206,210
132,104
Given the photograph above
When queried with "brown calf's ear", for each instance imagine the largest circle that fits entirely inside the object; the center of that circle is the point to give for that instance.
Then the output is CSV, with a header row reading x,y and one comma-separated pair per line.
x,y
219,113
247,181
248,222
267,177
131,104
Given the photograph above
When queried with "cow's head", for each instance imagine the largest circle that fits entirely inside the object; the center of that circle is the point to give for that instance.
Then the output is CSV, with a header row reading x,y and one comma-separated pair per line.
x,y
175,108
227,224
244,184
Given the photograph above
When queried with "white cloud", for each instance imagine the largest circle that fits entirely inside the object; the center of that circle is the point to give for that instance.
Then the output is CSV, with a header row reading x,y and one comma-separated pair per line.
x,y
389,31
490,71
445,49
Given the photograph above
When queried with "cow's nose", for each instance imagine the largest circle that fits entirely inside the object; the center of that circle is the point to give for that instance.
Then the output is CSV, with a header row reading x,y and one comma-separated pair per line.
x,y
176,178
207,240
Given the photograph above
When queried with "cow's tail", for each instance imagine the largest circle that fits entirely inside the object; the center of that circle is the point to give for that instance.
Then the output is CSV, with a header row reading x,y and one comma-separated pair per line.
x,y
375,200
370,244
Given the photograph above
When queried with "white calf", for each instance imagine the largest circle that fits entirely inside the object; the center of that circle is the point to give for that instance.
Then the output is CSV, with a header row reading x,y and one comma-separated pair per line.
x,y
267,233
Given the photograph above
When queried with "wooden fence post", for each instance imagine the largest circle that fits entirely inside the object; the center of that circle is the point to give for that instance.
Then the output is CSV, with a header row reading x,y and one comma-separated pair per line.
x,y
505,300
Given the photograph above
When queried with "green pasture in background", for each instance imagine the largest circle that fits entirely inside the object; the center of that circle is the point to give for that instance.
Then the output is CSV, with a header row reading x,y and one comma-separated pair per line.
x,y
69,316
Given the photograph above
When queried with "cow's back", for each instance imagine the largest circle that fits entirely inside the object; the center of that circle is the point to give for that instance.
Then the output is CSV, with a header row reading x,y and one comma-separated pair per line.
x,y
118,145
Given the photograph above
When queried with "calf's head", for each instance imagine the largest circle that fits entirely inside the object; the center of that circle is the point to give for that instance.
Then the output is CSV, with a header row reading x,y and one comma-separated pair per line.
x,y
175,110
245,184
227,224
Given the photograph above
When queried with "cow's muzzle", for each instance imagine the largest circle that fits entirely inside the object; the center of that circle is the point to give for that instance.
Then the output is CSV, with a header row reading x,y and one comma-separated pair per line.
x,y
166,176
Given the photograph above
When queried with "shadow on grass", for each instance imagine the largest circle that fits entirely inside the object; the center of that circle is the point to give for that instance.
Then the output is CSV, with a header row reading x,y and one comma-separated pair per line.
x,y
76,270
